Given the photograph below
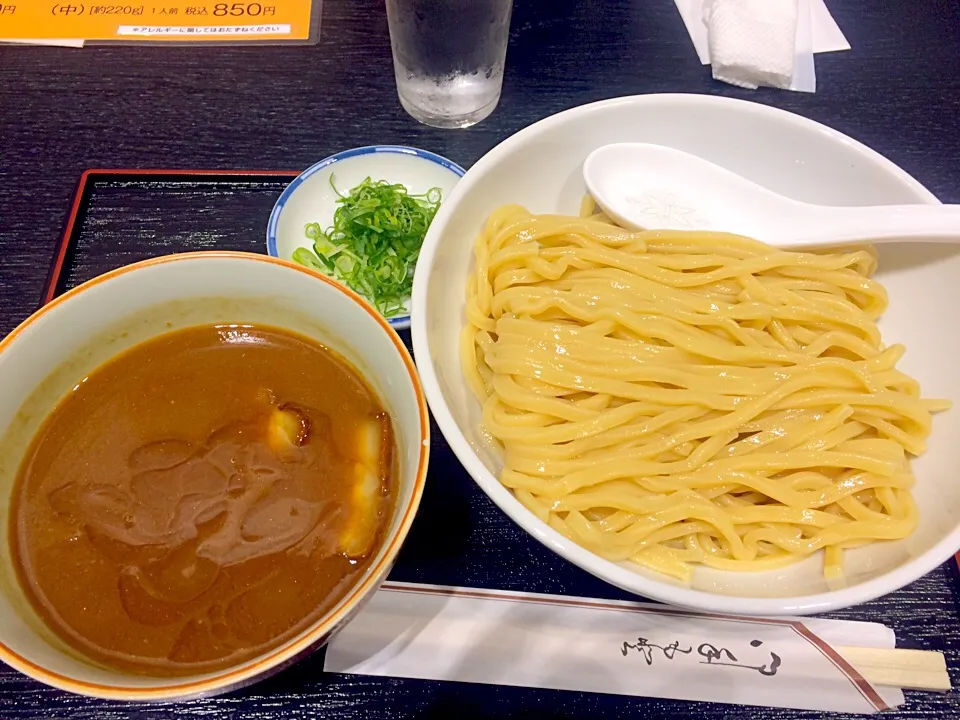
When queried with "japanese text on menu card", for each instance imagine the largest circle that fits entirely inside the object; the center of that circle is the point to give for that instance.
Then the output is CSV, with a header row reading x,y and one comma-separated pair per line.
x,y
156,20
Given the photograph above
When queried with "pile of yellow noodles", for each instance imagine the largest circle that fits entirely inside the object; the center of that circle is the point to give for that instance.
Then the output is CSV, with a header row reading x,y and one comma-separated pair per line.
x,y
674,398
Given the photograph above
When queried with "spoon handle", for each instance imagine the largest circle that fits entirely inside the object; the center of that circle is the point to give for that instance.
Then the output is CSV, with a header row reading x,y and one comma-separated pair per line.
x,y
878,224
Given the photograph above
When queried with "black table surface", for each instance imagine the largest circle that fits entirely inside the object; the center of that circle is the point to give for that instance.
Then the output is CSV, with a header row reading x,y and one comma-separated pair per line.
x,y
63,111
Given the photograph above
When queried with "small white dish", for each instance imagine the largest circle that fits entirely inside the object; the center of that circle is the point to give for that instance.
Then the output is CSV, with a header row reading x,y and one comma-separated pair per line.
x,y
311,199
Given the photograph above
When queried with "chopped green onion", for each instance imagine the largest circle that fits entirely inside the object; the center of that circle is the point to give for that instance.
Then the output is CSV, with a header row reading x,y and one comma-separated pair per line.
x,y
374,242
305,257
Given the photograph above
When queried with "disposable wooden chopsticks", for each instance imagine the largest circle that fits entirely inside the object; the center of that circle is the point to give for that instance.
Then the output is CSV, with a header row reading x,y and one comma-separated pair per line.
x,y
912,669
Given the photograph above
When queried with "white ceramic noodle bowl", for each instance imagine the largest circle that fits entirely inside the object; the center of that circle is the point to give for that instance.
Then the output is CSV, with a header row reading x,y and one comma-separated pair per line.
x,y
64,341
540,168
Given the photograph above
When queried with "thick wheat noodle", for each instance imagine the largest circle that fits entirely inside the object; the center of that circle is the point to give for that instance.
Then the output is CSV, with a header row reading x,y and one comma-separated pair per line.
x,y
684,398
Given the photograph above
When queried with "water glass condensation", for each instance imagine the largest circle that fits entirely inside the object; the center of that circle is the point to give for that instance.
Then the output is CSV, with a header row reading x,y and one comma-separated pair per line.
x,y
448,56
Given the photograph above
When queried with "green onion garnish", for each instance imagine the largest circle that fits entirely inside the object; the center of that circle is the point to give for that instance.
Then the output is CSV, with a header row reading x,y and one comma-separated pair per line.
x,y
374,241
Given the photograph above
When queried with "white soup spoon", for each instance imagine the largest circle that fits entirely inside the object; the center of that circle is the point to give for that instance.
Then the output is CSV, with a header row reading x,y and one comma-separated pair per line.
x,y
642,186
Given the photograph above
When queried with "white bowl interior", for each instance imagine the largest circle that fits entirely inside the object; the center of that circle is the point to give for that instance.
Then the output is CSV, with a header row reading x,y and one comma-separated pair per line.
x,y
540,168
73,337
314,200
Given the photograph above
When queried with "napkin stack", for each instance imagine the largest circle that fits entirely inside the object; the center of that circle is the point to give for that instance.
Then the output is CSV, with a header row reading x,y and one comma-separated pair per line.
x,y
752,42
762,42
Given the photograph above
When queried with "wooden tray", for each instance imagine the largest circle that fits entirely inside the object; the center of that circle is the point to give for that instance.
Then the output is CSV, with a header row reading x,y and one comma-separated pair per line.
x,y
458,538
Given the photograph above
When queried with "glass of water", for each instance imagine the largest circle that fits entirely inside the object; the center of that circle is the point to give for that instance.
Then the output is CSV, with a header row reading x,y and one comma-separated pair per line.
x,y
448,56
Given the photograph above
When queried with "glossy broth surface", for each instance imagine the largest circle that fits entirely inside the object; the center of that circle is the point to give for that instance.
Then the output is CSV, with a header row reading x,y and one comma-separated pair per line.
x,y
201,498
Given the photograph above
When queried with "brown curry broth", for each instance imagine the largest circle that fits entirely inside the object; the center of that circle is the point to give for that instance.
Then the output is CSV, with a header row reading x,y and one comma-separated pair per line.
x,y
156,531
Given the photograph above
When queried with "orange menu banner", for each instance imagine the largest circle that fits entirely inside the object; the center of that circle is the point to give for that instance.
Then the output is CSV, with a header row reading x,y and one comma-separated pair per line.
x,y
156,20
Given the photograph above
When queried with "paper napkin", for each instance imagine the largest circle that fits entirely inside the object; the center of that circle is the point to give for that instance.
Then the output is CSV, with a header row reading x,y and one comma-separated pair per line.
x,y
751,42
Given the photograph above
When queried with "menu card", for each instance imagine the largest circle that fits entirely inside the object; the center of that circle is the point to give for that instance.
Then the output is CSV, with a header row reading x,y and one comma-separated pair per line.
x,y
55,21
